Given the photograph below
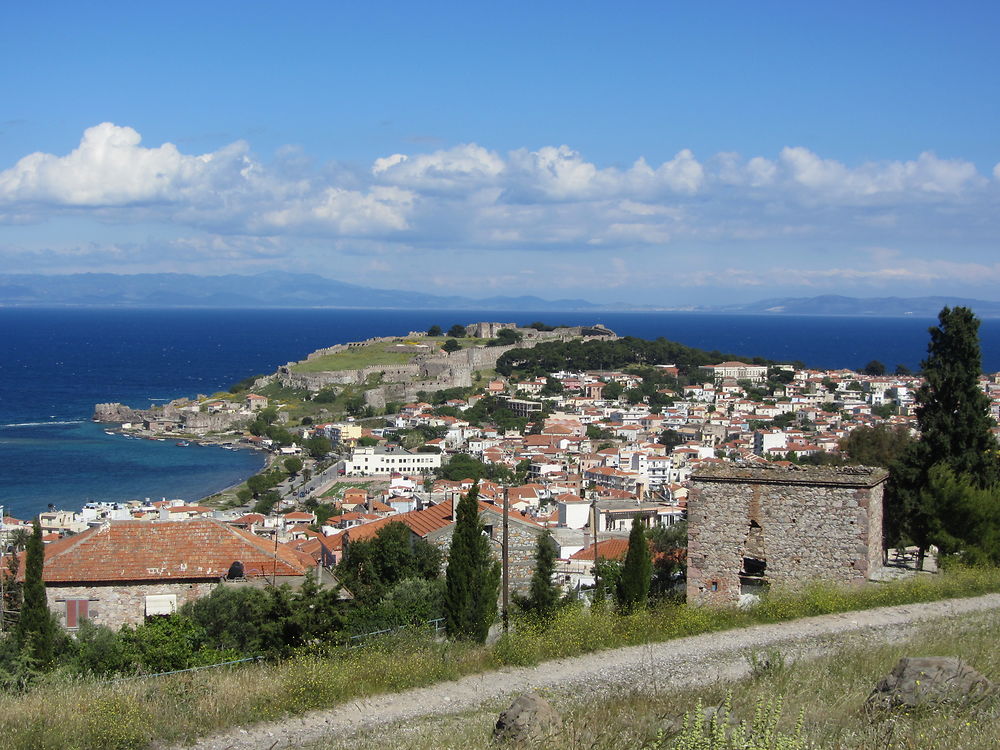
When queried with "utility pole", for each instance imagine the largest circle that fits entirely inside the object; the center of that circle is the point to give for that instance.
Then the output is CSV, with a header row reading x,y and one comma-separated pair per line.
x,y
593,527
274,570
503,553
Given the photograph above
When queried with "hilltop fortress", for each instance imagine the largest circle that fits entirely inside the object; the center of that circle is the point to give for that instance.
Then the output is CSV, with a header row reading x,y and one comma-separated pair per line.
x,y
429,370
418,364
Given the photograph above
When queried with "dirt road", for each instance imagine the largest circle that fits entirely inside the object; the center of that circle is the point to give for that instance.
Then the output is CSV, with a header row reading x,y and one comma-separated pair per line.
x,y
680,663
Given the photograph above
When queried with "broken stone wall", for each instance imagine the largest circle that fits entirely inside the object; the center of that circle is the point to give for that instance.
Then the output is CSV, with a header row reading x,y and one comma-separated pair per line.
x,y
781,526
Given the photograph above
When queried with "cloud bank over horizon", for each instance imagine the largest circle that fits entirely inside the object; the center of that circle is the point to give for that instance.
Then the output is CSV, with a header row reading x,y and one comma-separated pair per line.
x,y
522,220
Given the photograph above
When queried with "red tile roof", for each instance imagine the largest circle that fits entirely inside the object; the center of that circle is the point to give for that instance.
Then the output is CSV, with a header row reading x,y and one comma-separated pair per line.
x,y
609,549
164,550
423,522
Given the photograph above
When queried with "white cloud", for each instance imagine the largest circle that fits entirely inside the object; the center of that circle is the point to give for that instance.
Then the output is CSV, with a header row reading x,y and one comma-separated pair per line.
x,y
462,166
110,168
344,212
474,198
927,174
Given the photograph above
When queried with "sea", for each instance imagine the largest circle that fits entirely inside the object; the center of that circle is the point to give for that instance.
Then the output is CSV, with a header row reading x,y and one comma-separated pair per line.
x,y
55,364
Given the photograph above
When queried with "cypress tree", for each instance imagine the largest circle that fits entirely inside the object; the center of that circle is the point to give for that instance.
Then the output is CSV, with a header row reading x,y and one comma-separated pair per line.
x,y
472,581
35,631
637,572
952,410
954,423
543,596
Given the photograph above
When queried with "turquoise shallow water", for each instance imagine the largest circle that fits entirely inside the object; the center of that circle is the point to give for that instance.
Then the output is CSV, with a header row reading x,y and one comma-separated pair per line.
x,y
56,364
69,464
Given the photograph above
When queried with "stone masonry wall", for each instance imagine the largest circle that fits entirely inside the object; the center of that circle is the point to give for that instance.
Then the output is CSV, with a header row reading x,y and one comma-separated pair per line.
x,y
115,605
808,524
521,547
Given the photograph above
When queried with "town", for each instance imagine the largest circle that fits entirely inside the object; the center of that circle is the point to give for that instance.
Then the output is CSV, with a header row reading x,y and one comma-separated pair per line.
x,y
576,453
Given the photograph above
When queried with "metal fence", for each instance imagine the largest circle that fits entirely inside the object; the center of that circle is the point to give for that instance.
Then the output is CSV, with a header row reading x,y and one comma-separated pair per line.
x,y
356,641
190,669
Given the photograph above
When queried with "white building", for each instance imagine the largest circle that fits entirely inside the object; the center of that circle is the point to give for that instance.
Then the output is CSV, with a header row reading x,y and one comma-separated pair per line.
x,y
737,370
767,441
377,460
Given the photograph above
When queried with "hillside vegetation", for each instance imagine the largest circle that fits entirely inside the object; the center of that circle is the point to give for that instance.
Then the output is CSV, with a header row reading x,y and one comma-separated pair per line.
x,y
131,713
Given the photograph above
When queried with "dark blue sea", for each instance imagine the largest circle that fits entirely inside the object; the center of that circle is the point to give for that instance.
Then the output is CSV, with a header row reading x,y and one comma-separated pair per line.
x,y
56,364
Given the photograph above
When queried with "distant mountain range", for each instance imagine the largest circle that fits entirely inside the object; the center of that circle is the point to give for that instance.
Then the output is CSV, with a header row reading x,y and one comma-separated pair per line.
x,y
283,289
271,289
831,304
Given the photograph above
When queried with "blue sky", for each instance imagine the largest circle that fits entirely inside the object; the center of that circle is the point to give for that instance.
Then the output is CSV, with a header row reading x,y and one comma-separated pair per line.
x,y
660,152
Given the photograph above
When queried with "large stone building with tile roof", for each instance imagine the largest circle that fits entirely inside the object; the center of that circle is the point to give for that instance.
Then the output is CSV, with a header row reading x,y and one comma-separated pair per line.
x,y
124,571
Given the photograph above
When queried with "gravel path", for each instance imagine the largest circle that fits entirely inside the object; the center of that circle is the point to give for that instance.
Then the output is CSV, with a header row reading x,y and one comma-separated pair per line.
x,y
680,663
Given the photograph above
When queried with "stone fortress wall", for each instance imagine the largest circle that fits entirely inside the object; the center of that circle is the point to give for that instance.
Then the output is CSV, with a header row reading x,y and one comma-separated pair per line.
x,y
427,372
803,524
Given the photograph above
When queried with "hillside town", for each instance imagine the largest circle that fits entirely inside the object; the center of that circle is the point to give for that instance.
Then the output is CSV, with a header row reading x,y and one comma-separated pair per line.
x,y
580,454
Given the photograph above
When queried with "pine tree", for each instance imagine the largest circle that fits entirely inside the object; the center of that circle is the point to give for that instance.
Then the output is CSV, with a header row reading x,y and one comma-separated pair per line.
x,y
35,630
472,581
954,423
633,586
967,522
543,596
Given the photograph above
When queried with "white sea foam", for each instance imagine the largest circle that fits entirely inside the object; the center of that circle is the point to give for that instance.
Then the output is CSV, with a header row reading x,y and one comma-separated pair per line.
x,y
42,424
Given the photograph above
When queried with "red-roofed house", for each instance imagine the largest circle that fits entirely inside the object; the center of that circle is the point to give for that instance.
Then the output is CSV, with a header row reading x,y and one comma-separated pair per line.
x,y
124,571
436,524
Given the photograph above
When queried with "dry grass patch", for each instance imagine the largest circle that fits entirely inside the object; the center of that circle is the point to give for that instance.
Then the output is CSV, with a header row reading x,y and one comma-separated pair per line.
x,y
829,694
63,712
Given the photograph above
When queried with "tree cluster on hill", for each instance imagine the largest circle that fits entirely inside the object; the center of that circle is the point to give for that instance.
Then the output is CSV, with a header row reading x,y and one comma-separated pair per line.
x,y
552,356
463,466
487,410
263,425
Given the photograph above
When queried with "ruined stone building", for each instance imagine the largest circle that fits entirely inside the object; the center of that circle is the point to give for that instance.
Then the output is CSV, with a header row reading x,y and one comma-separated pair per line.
x,y
753,526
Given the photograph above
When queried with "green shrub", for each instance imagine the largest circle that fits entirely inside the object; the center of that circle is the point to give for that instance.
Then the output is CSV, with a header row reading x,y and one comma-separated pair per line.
x,y
700,732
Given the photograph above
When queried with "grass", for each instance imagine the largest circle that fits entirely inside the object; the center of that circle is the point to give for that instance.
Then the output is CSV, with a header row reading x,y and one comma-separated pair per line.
x,y
338,489
61,712
828,693
372,355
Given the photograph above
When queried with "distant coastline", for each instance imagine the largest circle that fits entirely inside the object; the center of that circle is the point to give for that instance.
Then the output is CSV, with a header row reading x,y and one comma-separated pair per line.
x,y
283,290
59,362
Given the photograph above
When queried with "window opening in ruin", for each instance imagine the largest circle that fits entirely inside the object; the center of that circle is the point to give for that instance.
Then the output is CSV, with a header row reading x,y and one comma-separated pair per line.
x,y
754,554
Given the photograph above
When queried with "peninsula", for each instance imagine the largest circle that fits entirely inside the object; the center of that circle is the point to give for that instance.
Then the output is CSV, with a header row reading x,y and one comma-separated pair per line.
x,y
364,376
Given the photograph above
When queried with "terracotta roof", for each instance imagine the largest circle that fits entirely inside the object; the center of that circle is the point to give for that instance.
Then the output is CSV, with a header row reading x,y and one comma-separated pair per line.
x,y
609,549
617,548
423,522
155,550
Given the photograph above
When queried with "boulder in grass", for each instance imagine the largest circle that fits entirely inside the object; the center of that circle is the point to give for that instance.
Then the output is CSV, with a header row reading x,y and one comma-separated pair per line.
x,y
530,718
929,680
